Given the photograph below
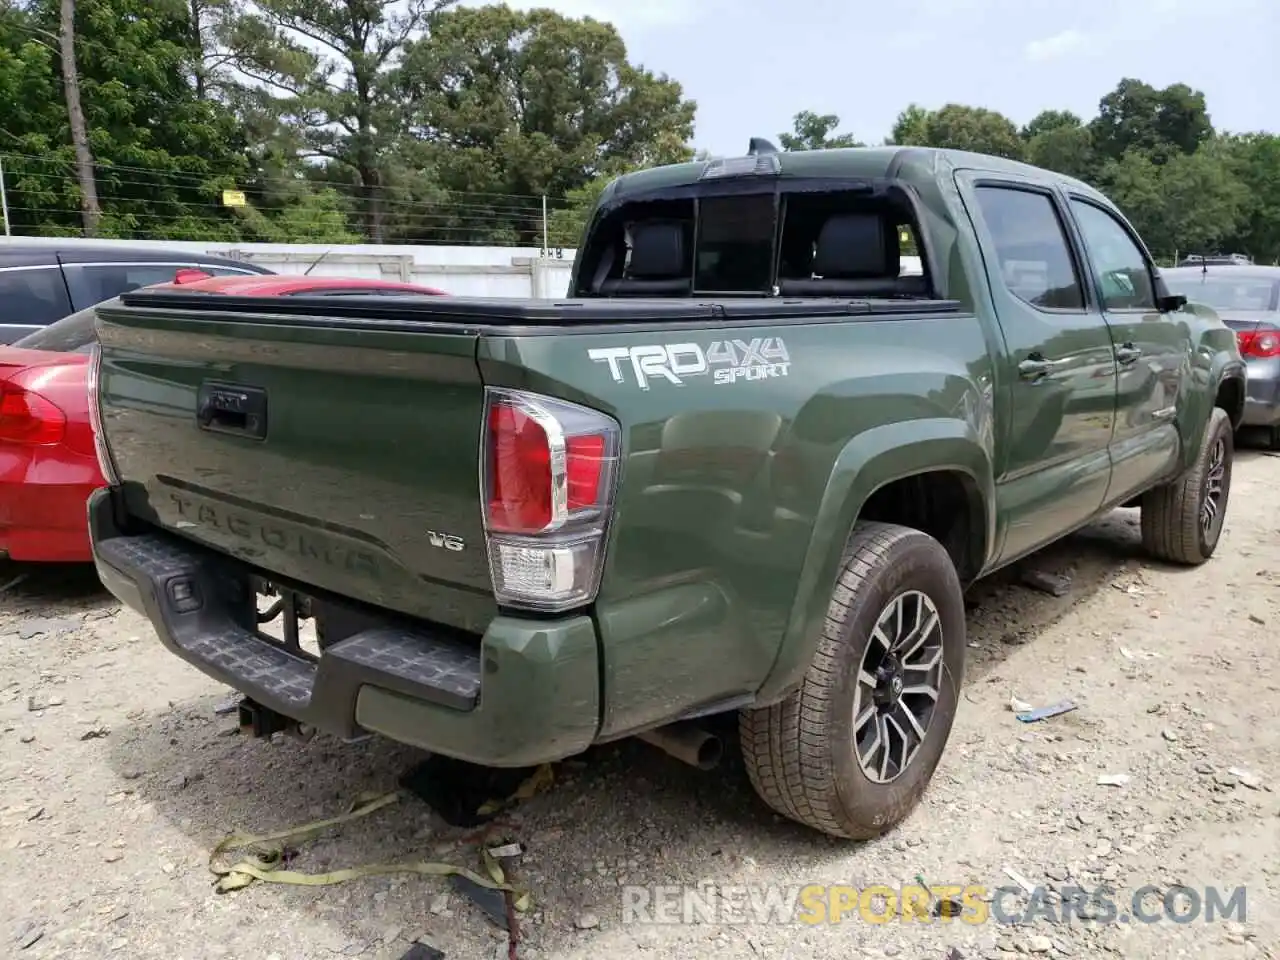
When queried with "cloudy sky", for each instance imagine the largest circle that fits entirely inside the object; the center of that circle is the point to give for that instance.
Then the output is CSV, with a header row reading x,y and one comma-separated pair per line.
x,y
752,64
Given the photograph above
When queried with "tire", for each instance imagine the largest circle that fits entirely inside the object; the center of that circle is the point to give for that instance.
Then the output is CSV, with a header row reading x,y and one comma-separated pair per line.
x,y
1172,515
800,753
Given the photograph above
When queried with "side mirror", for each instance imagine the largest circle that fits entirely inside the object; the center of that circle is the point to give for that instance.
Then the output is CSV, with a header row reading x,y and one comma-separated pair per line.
x,y
1166,302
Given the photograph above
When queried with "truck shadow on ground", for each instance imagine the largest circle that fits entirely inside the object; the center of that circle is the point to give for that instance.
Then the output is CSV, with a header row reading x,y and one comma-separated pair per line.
x,y
28,584
618,814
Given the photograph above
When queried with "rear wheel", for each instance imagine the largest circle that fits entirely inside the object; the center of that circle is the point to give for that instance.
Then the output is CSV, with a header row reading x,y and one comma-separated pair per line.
x,y
852,750
1182,520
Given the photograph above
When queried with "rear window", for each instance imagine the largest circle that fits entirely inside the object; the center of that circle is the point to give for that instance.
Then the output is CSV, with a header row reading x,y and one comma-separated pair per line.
x,y
73,334
93,283
807,240
1226,293
735,245
32,295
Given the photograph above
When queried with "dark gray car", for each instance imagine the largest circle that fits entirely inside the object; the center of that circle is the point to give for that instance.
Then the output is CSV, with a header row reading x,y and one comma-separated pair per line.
x,y
1248,300
41,283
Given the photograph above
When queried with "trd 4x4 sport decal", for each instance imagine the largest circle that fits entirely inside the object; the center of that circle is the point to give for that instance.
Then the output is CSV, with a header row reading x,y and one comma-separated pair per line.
x,y
726,361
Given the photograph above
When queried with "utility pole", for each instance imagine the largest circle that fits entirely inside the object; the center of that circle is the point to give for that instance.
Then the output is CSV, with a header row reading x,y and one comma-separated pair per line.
x,y
90,210
4,201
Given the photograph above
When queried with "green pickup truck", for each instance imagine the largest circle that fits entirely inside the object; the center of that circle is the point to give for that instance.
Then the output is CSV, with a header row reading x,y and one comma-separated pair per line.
x,y
748,466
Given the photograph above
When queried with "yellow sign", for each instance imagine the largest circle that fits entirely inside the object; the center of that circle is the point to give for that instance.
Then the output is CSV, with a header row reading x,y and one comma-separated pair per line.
x,y
233,198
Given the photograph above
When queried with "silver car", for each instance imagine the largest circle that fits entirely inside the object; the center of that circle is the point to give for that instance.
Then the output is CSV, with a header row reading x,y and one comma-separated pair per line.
x,y
1247,299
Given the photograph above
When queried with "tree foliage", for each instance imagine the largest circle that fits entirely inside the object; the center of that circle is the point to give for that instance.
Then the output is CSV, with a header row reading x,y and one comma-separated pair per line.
x,y
959,127
339,119
504,104
812,131
1153,151
430,121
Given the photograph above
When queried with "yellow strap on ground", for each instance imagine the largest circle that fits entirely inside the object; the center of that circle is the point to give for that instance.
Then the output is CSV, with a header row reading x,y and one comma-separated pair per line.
x,y
269,855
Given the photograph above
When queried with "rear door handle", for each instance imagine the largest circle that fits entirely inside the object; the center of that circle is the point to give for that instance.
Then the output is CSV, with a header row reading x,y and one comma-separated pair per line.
x,y
1127,353
1036,366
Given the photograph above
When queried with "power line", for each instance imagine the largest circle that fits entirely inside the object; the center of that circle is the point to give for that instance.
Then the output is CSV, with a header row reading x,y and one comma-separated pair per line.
x,y
102,167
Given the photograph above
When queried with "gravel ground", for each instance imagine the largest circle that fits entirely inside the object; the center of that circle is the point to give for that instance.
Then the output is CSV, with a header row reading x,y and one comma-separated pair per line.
x,y
117,776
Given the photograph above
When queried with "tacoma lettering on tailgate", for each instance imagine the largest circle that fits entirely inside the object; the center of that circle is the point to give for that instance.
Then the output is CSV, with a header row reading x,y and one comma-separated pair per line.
x,y
299,542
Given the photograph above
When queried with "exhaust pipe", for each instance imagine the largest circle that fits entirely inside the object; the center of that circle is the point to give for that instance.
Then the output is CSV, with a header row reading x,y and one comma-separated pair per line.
x,y
693,745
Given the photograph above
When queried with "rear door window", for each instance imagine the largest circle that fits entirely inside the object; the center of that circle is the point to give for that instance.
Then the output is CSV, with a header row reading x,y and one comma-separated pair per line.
x,y
1031,246
93,283
32,296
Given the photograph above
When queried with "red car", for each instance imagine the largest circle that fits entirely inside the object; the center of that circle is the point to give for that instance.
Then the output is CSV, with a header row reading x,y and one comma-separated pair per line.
x,y
48,466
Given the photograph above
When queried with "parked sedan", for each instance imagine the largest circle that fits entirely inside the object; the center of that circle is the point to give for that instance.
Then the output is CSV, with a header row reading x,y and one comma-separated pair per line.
x,y
1248,300
48,466
42,283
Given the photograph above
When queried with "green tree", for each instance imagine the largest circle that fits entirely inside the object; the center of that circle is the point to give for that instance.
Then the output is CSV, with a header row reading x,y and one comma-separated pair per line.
x,y
1192,202
311,216
1048,120
161,156
1061,142
958,127
1137,116
1254,159
503,106
323,69
811,131
911,129
977,129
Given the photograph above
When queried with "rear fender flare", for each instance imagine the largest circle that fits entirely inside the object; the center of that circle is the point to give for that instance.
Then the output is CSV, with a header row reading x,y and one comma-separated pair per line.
x,y
866,463
1215,359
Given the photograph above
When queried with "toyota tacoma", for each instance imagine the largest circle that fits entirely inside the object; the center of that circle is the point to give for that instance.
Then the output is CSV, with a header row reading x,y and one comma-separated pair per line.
x,y
749,465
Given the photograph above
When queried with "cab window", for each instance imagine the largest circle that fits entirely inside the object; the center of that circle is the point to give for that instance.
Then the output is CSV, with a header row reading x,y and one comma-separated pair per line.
x,y
1119,267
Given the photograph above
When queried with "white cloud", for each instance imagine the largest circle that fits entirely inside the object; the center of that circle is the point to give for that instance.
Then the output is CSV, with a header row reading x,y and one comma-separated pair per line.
x,y
1057,46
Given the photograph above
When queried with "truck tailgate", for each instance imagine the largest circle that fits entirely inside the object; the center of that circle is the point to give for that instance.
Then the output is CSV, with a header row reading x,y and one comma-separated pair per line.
x,y
249,435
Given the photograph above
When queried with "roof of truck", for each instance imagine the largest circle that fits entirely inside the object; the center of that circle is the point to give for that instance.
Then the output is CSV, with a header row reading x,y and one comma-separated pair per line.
x,y
871,163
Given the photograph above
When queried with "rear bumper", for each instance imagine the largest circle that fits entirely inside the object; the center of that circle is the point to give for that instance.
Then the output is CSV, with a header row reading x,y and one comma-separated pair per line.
x,y
528,693
1262,397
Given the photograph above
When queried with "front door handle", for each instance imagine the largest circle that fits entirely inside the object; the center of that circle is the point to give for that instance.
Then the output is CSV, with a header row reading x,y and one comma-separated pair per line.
x,y
1127,354
1036,366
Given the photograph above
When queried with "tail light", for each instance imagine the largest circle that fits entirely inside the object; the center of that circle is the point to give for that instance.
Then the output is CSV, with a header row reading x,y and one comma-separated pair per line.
x,y
1259,343
548,481
28,418
95,418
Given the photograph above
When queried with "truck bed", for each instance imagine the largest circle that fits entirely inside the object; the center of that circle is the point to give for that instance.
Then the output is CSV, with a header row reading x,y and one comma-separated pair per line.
x,y
352,459
510,314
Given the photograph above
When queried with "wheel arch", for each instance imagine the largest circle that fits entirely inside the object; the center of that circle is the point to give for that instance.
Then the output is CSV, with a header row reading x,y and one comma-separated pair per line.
x,y
934,475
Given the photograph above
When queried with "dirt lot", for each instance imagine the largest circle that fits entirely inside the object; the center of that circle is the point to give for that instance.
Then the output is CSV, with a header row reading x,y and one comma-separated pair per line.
x,y
117,776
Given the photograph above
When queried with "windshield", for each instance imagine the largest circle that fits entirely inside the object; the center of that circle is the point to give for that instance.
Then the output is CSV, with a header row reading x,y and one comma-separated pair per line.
x,y
1227,293
73,334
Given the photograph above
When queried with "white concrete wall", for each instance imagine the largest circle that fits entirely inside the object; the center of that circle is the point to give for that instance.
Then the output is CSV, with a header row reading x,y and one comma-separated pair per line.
x,y
469,271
